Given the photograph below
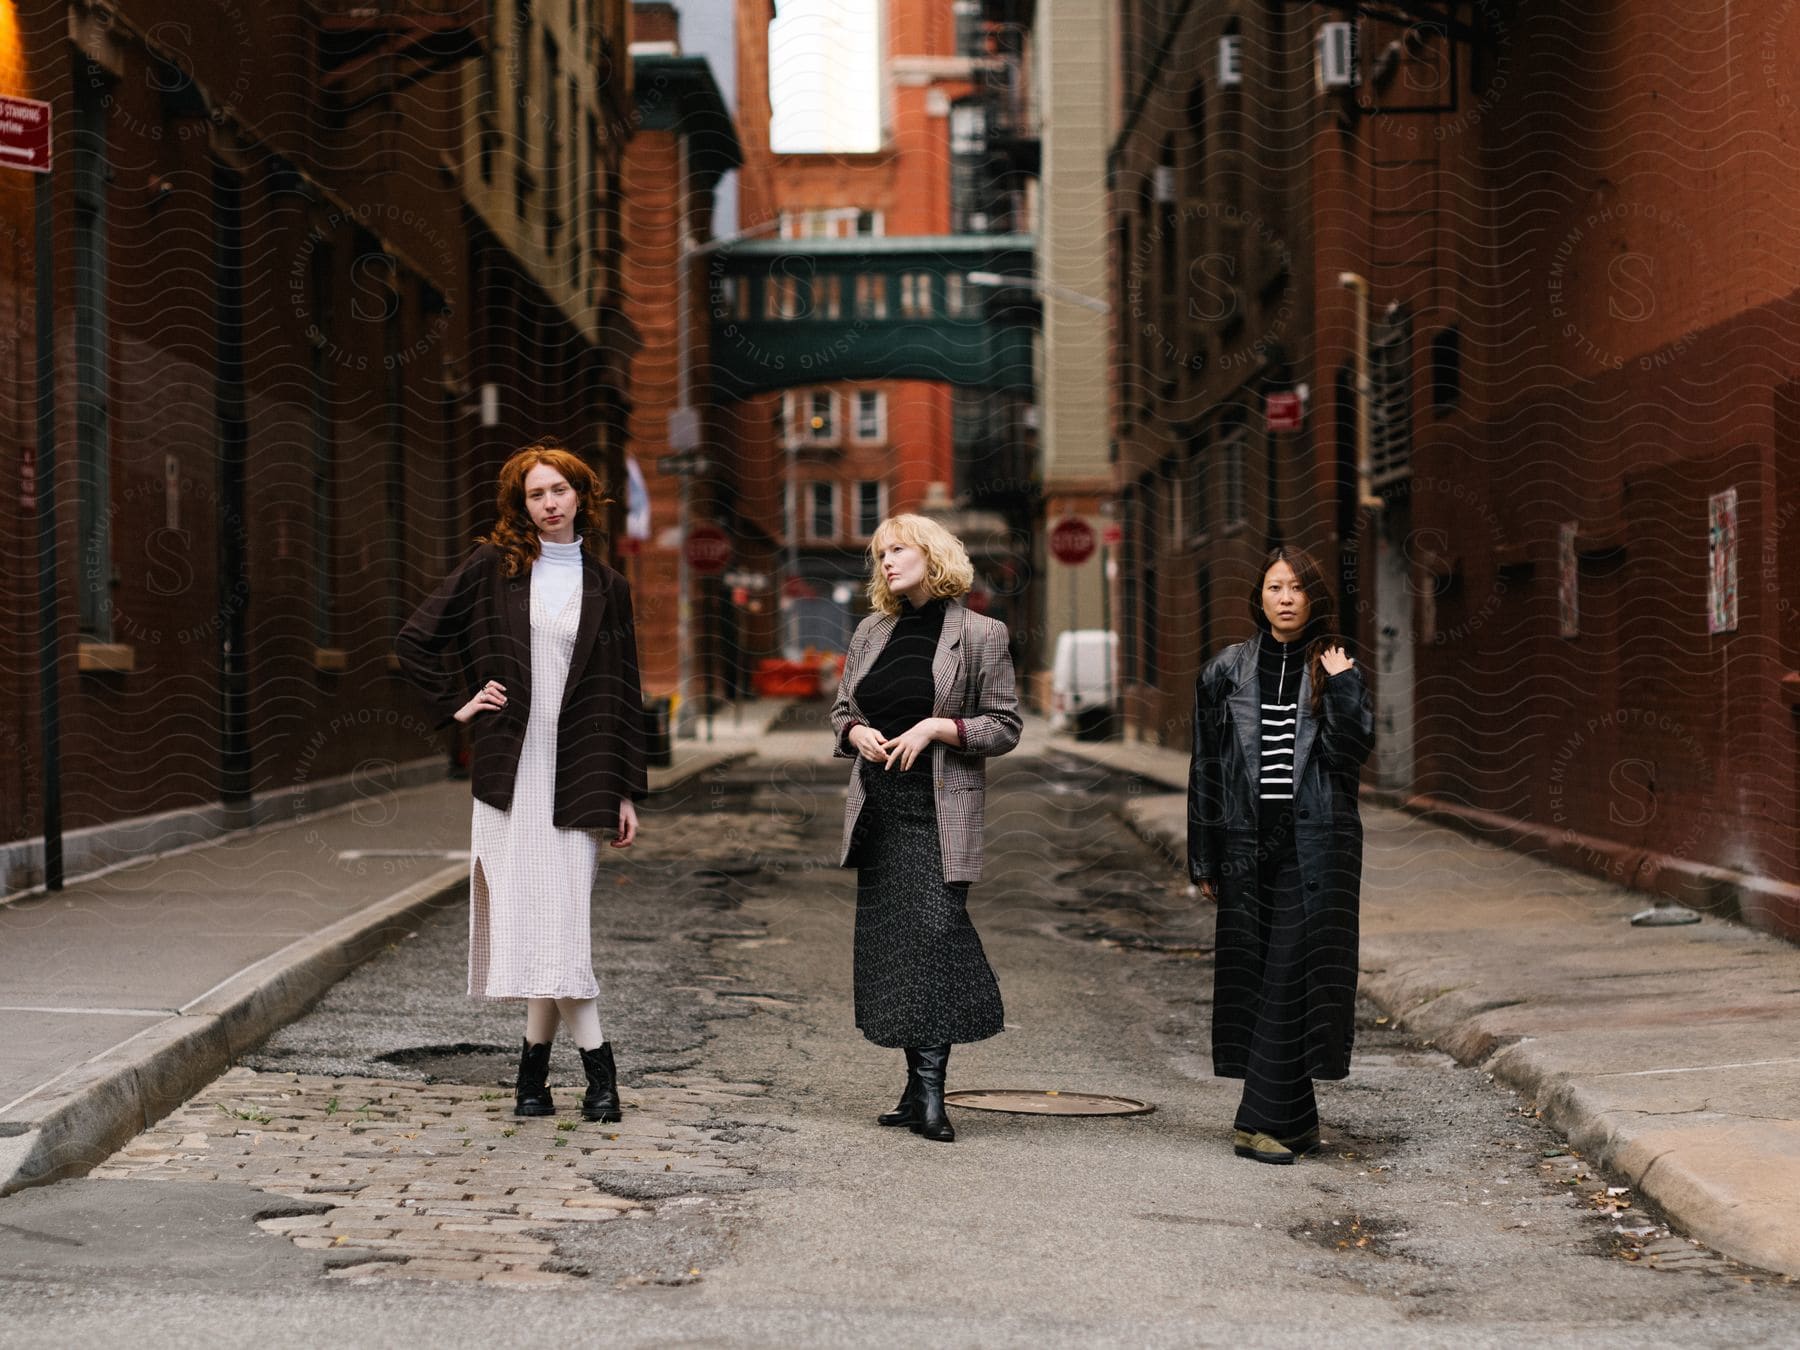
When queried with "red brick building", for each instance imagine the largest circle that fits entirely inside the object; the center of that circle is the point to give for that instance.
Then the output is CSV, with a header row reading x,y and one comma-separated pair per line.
x,y
685,141
281,383
1575,593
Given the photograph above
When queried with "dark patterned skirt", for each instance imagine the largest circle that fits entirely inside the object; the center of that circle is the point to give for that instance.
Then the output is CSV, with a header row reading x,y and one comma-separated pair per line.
x,y
921,976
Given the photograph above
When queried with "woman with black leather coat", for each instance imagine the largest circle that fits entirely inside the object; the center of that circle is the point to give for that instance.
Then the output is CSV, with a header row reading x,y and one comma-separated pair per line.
x,y
1282,726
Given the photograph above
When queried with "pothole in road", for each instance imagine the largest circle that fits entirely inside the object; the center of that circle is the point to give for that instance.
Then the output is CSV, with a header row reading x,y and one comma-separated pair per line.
x,y
1357,1234
463,1062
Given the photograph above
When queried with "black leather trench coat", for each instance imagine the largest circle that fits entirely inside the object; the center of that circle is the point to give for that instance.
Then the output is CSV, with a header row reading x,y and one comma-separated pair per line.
x,y
1223,848
476,627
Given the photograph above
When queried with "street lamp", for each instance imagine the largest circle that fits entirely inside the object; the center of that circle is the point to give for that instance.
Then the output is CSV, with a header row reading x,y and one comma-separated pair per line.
x,y
1036,283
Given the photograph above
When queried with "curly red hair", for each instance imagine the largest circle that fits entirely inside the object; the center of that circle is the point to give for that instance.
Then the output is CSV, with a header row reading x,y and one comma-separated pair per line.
x,y
514,534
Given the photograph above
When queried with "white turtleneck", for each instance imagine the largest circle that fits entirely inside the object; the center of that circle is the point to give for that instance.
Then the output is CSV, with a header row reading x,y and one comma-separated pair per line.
x,y
556,574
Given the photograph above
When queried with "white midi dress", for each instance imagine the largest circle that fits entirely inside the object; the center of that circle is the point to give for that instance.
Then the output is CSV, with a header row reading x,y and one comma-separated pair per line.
x,y
531,884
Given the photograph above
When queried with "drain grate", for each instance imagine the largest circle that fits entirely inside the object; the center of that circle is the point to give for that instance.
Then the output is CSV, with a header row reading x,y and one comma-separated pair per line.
x,y
1047,1102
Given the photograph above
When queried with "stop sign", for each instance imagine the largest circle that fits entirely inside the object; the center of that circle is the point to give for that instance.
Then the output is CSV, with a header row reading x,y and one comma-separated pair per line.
x,y
1072,540
708,549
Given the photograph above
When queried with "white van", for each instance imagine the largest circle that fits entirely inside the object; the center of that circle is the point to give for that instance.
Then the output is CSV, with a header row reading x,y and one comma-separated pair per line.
x,y
1084,684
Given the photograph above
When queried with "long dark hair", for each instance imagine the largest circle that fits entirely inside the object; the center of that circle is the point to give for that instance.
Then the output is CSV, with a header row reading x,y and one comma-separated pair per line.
x,y
1321,612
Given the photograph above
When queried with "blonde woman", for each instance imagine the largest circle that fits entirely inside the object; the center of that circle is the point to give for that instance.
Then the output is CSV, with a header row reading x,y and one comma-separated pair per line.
x,y
530,644
927,696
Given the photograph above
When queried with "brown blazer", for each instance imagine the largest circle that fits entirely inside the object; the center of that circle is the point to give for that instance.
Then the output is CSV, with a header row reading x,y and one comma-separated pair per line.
x,y
972,678
476,627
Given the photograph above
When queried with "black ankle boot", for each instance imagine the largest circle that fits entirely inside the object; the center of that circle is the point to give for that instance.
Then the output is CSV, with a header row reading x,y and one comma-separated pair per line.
x,y
929,1118
533,1095
908,1111
602,1099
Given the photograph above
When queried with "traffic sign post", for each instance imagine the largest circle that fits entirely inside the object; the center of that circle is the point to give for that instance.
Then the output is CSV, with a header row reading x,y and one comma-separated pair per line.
x,y
1072,541
1284,411
24,134
707,549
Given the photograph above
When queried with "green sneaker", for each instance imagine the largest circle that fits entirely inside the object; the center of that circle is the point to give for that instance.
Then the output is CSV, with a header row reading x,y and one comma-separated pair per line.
x,y
1265,1148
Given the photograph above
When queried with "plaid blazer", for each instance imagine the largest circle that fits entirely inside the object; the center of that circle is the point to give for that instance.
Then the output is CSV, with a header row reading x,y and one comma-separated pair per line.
x,y
973,678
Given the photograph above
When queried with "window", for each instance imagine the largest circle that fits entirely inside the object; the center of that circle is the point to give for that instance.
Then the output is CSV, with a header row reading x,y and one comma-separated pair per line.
x,y
92,171
869,222
955,304
811,419
871,508
555,125
821,510
1193,487
320,277
828,297
915,295
871,415
781,298
1150,516
1446,371
731,298
1390,398
1231,475
487,109
968,128
394,358
871,297
526,109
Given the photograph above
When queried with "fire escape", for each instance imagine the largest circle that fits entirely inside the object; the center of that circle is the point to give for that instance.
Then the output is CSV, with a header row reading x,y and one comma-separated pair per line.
x,y
370,50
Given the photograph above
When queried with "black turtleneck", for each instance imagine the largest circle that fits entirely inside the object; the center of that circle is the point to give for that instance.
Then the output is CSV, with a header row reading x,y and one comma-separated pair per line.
x,y
897,693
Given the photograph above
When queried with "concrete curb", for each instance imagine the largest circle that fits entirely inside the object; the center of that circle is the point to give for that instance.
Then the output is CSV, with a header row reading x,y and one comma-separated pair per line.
x,y
1700,1170
81,1118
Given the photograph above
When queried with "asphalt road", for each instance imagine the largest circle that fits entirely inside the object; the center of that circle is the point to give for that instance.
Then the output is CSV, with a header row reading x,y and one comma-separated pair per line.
x,y
755,1201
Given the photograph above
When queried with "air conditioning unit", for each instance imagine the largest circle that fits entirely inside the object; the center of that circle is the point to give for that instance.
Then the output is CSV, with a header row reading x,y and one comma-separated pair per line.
x,y
1231,61
1336,58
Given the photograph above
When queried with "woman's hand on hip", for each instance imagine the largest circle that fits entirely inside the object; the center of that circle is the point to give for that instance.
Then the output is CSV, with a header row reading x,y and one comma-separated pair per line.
x,y
867,742
628,823
1334,661
491,698
908,745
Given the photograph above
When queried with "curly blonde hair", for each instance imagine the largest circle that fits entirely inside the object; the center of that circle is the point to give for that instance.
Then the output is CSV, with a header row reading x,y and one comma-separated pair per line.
x,y
514,534
948,571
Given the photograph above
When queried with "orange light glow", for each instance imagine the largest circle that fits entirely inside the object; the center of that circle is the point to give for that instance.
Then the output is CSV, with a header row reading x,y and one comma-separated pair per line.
x,y
12,51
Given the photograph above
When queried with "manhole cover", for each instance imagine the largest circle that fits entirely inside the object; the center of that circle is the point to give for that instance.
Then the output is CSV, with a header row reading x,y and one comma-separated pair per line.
x,y
1050,1102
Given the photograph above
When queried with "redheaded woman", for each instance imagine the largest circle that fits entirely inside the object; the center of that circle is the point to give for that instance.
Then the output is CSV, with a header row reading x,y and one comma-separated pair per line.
x,y
530,643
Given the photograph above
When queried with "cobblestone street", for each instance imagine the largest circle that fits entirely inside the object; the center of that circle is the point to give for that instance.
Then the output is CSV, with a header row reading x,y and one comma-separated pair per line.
x,y
361,1176
436,1182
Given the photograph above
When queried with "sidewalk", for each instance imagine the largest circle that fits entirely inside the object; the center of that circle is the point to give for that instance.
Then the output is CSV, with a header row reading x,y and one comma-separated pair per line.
x,y
123,994
1670,1055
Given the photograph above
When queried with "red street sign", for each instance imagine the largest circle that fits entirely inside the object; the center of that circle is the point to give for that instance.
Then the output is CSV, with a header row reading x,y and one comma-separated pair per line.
x,y
1282,412
1072,541
1113,535
24,134
708,549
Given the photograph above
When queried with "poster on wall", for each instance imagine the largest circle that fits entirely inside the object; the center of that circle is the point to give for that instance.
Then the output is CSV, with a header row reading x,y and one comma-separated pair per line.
x,y
1722,562
1567,572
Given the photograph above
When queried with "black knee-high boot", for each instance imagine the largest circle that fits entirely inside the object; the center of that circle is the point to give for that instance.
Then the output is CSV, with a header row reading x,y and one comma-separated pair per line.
x,y
930,1119
532,1097
908,1110
602,1099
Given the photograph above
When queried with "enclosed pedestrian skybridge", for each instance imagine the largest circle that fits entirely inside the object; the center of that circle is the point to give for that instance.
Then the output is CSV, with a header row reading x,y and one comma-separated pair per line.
x,y
957,308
